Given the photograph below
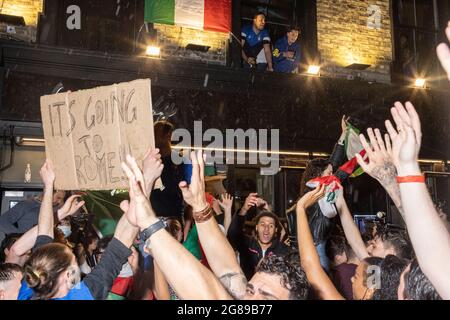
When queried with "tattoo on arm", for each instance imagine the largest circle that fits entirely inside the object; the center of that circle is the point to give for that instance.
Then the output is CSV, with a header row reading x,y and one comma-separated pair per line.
x,y
235,283
386,175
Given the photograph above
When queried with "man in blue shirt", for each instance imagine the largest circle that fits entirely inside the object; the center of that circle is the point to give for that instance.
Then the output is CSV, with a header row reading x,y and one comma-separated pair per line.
x,y
256,51
286,53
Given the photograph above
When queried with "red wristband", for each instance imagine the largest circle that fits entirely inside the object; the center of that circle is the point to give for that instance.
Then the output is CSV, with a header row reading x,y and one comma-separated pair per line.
x,y
411,179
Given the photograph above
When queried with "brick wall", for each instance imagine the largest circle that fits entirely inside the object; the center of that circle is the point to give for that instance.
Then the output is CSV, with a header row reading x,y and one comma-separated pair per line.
x,y
349,32
173,41
29,9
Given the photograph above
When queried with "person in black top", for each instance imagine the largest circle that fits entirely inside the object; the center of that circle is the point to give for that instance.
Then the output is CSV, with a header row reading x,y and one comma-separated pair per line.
x,y
321,226
253,249
169,201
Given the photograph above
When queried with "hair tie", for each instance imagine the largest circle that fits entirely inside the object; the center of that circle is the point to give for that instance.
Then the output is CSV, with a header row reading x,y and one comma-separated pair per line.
x,y
37,274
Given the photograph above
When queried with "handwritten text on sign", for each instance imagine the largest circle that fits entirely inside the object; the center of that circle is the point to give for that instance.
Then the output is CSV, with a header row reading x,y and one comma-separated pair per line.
x,y
89,132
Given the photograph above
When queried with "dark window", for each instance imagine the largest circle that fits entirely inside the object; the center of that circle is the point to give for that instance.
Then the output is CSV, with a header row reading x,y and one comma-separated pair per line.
x,y
280,14
106,26
418,28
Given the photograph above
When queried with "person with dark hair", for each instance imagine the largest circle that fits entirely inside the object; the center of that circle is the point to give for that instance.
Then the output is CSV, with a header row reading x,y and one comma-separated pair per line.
x,y
8,256
86,253
286,52
266,242
364,288
167,202
343,265
387,241
336,250
10,281
256,51
391,270
294,284
414,284
391,241
321,224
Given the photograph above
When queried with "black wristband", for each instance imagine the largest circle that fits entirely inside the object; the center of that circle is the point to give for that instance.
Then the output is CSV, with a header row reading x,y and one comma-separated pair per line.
x,y
148,232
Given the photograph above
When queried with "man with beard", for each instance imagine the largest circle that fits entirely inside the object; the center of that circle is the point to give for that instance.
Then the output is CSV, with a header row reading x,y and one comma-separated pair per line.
x,y
266,241
255,41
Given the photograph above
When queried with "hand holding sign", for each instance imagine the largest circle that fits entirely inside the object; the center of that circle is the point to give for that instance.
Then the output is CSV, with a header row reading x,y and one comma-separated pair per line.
x,y
89,132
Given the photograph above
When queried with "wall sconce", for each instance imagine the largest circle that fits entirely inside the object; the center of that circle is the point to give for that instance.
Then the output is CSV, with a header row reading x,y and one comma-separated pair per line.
x,y
150,38
313,70
420,83
153,51
358,66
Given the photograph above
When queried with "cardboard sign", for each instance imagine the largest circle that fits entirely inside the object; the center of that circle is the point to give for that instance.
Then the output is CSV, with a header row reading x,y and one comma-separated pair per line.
x,y
88,133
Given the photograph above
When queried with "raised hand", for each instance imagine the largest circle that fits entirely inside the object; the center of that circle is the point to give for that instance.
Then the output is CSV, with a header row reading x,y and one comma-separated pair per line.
x,y
263,205
47,173
380,166
344,124
152,168
443,53
406,138
227,201
251,201
70,207
138,210
194,194
311,197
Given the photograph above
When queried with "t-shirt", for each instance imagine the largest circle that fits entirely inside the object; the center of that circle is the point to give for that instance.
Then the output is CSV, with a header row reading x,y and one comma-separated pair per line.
x,y
343,274
254,43
169,201
79,292
281,63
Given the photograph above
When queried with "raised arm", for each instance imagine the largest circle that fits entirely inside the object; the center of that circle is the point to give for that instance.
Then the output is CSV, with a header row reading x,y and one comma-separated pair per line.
x,y
235,234
227,205
350,229
218,251
160,285
192,280
310,260
444,53
46,220
428,234
380,165
337,157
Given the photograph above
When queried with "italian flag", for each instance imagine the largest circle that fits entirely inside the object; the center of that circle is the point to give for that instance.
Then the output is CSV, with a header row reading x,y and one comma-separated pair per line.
x,y
210,15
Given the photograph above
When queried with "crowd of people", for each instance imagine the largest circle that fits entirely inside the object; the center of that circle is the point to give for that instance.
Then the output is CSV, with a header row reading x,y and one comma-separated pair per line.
x,y
183,243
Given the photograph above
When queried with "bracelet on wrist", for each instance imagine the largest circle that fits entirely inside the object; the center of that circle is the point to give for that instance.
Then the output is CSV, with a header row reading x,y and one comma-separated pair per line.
x,y
204,215
411,179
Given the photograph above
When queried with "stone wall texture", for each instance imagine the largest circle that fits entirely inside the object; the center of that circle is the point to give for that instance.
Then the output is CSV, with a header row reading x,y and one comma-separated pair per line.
x,y
355,31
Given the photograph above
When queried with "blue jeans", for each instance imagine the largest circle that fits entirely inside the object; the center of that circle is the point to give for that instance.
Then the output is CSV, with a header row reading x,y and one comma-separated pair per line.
x,y
324,261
